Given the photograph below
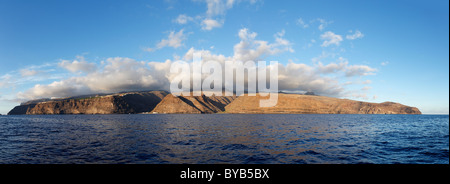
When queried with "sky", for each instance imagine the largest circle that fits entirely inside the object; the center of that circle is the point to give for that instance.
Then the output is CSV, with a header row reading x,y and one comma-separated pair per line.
x,y
373,51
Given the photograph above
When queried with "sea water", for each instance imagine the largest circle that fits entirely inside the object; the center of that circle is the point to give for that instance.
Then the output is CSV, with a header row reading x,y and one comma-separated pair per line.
x,y
225,138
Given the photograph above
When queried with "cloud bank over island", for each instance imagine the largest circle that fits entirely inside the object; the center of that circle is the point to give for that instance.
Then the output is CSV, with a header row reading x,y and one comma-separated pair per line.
x,y
118,74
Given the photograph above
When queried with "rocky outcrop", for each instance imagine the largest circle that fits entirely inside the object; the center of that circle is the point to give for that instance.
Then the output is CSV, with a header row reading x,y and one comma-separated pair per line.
x,y
21,109
121,103
193,104
308,104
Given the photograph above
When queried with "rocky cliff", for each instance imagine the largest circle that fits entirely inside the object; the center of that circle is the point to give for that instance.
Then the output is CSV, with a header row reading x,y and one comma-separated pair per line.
x,y
121,103
163,102
193,104
309,104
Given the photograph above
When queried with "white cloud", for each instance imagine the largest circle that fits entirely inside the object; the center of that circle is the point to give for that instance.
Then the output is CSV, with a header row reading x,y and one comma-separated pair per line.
x,y
77,65
366,88
281,42
220,7
384,63
174,40
250,49
245,35
299,76
217,7
126,74
355,36
119,74
344,67
209,24
28,72
183,19
330,39
323,23
215,10
359,70
332,67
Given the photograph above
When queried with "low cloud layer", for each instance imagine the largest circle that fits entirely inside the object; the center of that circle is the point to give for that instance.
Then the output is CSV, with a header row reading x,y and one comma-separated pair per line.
x,y
120,74
115,75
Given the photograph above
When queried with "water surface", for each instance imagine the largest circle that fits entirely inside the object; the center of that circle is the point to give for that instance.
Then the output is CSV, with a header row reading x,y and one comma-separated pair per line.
x,y
225,138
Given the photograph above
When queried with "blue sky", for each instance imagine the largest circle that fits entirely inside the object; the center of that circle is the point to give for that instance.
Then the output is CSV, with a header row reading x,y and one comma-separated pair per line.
x,y
364,50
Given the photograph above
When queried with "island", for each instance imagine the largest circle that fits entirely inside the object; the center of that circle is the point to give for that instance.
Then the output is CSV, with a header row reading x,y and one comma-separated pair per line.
x,y
162,102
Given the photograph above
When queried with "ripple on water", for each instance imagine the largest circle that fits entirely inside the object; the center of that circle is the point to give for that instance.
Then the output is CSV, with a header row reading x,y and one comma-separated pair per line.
x,y
225,138
235,147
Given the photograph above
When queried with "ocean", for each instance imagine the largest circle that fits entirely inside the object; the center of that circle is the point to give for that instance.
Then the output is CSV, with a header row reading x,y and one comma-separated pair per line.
x,y
225,138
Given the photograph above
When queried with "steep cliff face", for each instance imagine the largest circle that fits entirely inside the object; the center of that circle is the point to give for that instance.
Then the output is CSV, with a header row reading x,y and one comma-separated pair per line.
x,y
308,104
122,103
163,102
21,109
192,104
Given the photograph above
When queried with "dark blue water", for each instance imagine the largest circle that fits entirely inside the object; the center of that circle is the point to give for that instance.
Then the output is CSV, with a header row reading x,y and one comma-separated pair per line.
x,y
225,138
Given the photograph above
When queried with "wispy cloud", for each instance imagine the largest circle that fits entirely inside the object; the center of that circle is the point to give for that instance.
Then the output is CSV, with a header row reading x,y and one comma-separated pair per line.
x,y
209,24
77,65
27,72
330,39
359,70
218,7
183,19
323,23
214,17
355,36
332,67
174,40
302,23
5,80
366,88
251,49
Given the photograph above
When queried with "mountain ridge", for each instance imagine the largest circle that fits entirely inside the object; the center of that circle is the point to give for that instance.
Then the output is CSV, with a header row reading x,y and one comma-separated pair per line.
x,y
313,104
162,102
119,103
